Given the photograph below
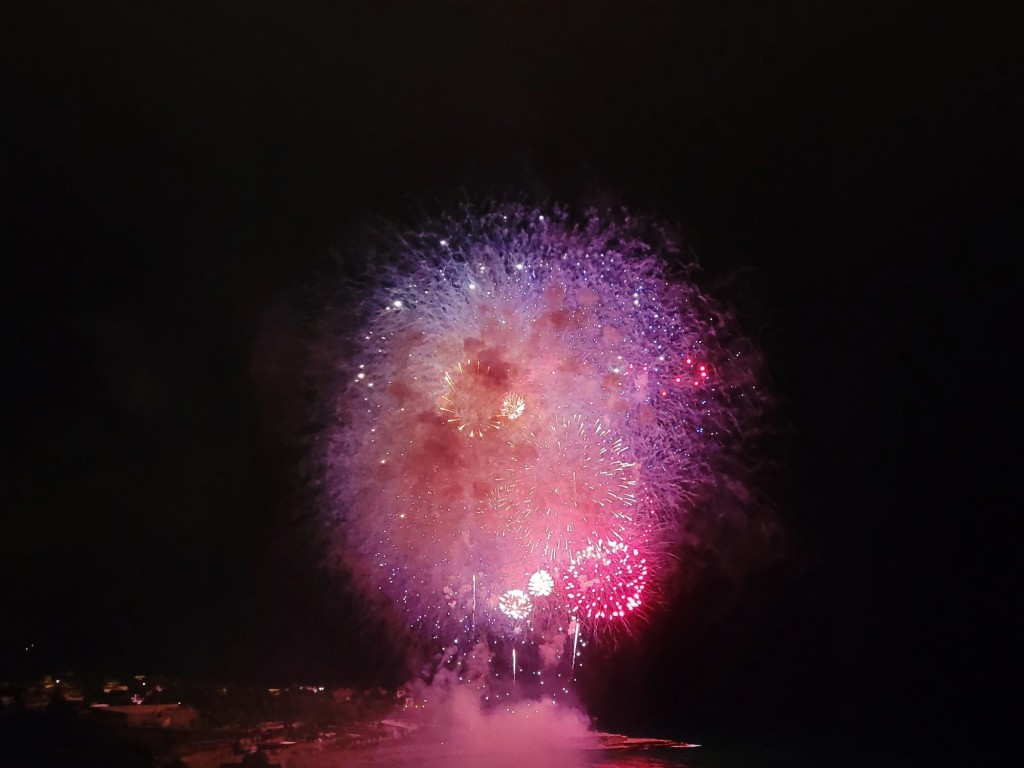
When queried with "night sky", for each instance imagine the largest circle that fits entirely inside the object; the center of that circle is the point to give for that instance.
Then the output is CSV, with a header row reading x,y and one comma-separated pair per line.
x,y
175,177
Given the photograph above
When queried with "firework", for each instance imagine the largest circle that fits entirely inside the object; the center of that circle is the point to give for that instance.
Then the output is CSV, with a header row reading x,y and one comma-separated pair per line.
x,y
541,584
471,403
515,604
573,489
606,581
531,403
512,406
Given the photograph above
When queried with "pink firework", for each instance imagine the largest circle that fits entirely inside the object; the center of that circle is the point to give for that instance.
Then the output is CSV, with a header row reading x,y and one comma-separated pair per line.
x,y
527,394
606,581
572,486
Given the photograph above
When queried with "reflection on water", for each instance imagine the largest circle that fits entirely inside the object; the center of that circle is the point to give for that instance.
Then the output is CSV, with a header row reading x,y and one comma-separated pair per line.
x,y
437,756
445,756
653,759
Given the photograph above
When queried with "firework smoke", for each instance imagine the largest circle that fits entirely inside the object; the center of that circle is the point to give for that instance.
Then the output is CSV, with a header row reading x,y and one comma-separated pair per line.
x,y
529,421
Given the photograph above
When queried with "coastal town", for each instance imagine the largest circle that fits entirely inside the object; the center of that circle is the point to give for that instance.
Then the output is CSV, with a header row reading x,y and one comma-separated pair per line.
x,y
169,721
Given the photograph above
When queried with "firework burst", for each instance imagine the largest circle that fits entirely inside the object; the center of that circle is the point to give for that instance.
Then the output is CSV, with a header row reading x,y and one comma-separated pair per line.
x,y
574,488
541,584
530,417
473,403
606,581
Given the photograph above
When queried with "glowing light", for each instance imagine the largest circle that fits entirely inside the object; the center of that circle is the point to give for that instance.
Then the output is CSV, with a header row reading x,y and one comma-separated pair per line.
x,y
541,584
515,604
542,402
512,406
471,402
574,488
606,581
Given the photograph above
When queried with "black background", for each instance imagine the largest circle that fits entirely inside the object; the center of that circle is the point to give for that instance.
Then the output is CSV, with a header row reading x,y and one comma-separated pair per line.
x,y
172,173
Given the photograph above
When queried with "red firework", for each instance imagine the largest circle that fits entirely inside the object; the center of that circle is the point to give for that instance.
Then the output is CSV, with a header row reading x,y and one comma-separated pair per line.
x,y
606,581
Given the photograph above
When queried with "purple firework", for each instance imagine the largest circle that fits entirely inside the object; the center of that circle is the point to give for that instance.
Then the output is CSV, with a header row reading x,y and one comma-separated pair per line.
x,y
530,395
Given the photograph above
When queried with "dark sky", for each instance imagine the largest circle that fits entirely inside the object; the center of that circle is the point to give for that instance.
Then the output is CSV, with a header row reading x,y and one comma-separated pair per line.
x,y
172,173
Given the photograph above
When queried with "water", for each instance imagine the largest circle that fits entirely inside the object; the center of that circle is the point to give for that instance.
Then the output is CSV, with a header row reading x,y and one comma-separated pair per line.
x,y
655,759
409,755
414,757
